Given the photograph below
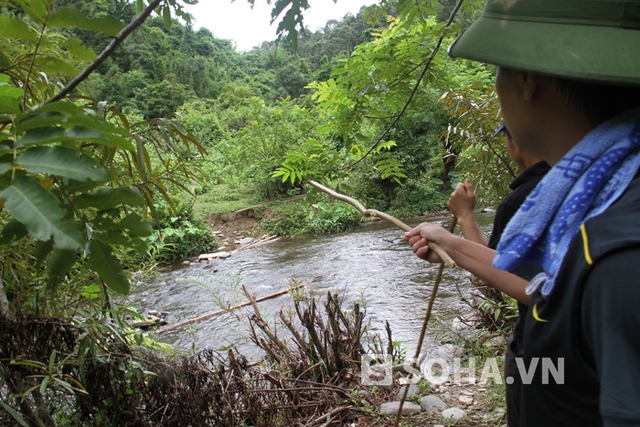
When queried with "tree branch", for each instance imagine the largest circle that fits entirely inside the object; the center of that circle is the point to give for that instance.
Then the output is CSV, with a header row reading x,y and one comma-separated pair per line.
x,y
427,64
119,38
376,213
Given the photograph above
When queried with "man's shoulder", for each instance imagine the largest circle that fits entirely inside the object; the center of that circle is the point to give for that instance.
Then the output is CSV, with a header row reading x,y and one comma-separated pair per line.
x,y
617,227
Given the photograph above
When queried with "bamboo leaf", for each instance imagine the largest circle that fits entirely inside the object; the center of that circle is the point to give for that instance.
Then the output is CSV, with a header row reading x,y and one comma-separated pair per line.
x,y
69,16
109,198
16,416
63,161
108,267
39,210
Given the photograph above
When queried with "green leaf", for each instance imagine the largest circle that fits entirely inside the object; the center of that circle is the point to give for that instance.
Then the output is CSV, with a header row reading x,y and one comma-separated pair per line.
x,y
166,15
39,210
136,225
38,120
44,384
77,49
4,62
5,166
63,161
41,250
110,198
10,91
39,136
36,9
15,28
65,107
58,265
55,65
9,105
16,416
73,186
69,16
12,229
89,134
108,267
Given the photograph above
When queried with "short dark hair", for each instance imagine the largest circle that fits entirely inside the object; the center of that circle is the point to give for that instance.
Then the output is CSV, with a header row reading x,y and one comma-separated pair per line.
x,y
599,102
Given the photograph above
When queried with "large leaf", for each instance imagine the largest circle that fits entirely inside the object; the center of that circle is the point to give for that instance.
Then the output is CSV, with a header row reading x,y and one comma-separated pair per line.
x,y
110,198
40,120
58,265
15,28
40,135
39,211
37,9
108,267
89,134
71,17
136,225
13,229
63,161
9,105
53,65
77,49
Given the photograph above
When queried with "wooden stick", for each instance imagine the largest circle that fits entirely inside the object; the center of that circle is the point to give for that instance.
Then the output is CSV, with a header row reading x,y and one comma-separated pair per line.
x,y
257,243
226,310
425,322
375,213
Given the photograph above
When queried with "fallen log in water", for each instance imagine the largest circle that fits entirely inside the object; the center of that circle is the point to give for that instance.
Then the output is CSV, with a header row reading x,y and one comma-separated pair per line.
x,y
226,310
264,241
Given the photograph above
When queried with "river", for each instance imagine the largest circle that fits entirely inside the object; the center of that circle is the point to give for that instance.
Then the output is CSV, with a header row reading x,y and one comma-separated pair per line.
x,y
370,264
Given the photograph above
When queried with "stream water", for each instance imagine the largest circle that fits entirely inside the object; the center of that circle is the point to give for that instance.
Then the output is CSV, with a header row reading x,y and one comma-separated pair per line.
x,y
370,264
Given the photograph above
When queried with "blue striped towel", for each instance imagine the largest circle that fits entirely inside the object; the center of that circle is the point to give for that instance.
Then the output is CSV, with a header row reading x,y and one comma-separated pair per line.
x,y
583,184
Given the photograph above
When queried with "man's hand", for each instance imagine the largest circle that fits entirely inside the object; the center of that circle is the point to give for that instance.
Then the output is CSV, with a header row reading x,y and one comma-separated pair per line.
x,y
423,233
462,201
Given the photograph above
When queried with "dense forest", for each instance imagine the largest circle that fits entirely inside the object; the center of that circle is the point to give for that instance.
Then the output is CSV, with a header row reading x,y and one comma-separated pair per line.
x,y
125,129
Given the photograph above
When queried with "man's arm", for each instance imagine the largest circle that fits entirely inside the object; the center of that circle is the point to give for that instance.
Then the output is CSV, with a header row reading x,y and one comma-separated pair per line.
x,y
461,204
611,321
471,256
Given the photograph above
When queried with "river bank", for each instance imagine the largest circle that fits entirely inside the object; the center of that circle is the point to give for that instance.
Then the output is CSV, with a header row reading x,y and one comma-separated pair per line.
x,y
372,259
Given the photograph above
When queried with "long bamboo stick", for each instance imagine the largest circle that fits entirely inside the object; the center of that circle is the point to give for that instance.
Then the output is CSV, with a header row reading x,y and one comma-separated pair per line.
x,y
425,322
376,213
216,313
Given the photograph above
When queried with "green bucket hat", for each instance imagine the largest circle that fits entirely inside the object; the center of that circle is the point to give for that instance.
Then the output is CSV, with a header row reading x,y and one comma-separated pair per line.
x,y
591,40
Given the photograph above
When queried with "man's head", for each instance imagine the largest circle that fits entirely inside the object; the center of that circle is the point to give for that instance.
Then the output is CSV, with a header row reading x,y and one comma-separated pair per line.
x,y
523,159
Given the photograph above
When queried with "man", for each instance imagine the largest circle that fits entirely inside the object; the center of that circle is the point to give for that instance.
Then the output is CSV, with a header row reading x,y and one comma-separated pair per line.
x,y
568,80
461,203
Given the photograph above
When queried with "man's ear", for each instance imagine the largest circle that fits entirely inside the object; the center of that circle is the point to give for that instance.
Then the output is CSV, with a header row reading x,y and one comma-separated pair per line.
x,y
530,84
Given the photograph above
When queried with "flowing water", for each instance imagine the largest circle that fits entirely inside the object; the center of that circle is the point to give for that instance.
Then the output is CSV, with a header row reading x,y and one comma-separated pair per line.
x,y
370,264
